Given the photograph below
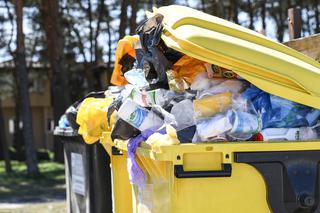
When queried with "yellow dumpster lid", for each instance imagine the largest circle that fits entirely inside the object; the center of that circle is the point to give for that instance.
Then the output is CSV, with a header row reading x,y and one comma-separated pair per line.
x,y
269,65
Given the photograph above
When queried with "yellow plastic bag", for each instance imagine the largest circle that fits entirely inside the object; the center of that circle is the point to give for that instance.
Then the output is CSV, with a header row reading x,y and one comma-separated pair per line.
x,y
211,105
92,118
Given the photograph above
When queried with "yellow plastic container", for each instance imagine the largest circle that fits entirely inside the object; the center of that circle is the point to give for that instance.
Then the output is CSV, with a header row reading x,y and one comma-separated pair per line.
x,y
227,177
244,191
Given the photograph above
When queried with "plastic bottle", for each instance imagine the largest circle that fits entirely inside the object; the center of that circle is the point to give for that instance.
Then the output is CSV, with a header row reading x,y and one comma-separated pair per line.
x,y
138,116
289,134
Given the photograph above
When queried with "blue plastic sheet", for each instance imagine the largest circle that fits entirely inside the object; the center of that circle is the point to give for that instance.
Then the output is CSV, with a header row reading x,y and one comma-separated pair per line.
x,y
277,112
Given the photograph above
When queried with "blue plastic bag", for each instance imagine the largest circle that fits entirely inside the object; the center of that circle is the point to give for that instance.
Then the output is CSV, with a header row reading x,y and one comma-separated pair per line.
x,y
277,112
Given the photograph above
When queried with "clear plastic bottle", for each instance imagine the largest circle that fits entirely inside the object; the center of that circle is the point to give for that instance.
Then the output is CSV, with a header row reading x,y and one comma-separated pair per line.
x,y
138,116
289,134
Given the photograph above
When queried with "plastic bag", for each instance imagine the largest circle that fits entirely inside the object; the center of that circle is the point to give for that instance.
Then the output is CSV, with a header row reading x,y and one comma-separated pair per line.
x,y
63,122
233,86
186,135
183,113
92,118
202,82
137,78
167,117
187,68
125,46
289,114
240,122
213,127
244,125
150,37
123,130
158,139
211,105
277,112
136,174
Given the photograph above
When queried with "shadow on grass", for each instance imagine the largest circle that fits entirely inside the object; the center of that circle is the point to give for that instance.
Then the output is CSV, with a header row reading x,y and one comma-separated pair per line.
x,y
19,187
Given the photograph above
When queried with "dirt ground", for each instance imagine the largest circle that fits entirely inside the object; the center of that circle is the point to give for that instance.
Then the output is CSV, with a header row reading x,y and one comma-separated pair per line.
x,y
47,207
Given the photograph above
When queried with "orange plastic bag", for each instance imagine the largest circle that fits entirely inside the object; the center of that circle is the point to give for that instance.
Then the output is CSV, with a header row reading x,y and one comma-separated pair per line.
x,y
125,46
188,68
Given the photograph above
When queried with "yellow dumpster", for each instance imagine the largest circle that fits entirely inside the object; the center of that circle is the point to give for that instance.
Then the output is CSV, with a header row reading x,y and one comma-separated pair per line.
x,y
227,177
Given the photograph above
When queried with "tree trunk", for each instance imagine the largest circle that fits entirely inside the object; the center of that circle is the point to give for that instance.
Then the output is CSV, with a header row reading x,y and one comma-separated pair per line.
x,y
308,24
59,77
250,9
18,142
203,5
3,143
31,155
133,19
217,8
316,14
280,24
109,44
263,15
234,11
91,30
101,14
123,19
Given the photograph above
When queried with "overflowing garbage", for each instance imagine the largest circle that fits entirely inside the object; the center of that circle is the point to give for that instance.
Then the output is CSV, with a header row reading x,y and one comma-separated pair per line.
x,y
159,88
164,97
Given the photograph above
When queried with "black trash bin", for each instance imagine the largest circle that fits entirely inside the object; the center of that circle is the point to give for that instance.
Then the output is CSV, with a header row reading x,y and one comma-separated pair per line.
x,y
88,178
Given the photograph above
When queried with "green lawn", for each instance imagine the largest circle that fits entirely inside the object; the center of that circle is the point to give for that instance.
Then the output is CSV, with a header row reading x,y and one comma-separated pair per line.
x,y
18,187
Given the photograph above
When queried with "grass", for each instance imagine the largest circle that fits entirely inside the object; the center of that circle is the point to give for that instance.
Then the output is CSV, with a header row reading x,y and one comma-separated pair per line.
x,y
18,187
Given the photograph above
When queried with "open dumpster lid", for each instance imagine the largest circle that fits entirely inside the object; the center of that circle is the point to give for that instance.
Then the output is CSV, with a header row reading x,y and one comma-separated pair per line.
x,y
269,65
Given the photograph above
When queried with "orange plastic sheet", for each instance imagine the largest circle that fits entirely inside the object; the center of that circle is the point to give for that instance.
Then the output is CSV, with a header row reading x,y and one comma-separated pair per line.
x,y
125,46
188,68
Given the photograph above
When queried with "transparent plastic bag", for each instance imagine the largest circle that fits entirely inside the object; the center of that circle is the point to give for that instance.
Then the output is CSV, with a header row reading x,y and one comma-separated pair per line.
x,y
213,127
211,105
137,78
183,113
244,125
233,86
239,122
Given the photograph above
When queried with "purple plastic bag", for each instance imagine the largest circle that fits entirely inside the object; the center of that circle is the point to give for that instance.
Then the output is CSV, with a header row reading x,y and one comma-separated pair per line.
x,y
136,174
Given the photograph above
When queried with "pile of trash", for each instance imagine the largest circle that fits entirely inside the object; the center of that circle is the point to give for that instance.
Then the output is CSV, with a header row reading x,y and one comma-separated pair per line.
x,y
164,97
201,102
181,99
